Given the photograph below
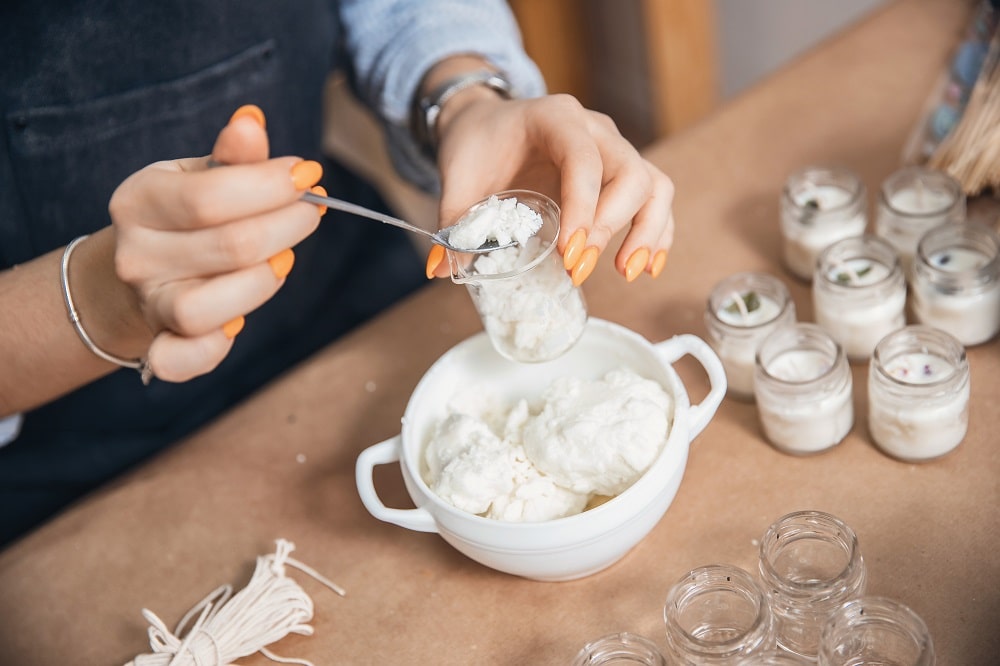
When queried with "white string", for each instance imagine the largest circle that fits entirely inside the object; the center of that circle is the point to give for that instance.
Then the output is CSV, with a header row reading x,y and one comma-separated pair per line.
x,y
229,626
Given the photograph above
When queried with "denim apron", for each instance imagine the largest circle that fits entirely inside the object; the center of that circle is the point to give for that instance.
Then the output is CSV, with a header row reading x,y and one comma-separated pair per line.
x,y
91,91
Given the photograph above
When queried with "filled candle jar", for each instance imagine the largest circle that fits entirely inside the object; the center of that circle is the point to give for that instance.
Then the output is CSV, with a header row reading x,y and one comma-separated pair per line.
x,y
913,201
859,293
918,394
802,384
956,281
741,311
819,206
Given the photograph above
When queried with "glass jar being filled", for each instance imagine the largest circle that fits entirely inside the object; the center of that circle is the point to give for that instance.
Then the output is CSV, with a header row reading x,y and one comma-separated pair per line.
x,y
859,293
913,201
918,394
956,281
802,384
716,614
528,304
741,311
622,649
875,630
819,206
810,563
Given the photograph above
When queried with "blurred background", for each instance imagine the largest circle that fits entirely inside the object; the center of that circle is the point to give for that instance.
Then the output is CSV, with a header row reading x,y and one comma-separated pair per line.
x,y
657,66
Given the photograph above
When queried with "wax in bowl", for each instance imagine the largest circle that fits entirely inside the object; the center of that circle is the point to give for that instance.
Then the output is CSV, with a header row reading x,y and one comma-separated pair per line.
x,y
565,548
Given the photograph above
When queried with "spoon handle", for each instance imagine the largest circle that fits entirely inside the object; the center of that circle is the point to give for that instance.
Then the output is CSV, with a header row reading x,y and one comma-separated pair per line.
x,y
355,209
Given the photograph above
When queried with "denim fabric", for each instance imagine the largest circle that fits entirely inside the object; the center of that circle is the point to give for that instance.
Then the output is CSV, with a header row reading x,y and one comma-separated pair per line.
x,y
90,91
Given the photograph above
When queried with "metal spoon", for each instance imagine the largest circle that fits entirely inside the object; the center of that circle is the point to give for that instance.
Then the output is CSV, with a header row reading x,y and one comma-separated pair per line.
x,y
440,237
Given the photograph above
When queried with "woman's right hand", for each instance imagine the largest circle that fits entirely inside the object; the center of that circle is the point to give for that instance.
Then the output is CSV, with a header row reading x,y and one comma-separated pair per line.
x,y
202,244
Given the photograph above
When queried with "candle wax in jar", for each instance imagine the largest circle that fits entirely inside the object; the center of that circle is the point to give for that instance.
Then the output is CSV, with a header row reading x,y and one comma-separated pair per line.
x,y
958,259
919,368
799,365
764,310
823,197
920,201
858,272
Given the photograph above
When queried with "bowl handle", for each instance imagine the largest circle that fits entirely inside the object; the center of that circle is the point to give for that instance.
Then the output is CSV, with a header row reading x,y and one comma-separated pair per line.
x,y
678,346
419,520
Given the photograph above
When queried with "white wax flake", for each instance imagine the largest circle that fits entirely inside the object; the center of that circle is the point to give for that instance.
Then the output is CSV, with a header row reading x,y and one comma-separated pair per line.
x,y
300,458
370,386
502,220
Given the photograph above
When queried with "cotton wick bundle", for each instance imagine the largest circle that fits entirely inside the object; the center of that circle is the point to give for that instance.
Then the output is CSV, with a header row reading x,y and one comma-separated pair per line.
x,y
228,627
971,152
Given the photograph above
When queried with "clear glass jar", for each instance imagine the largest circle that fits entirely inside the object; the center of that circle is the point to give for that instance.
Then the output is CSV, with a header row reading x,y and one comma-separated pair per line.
x,y
528,304
859,293
875,630
956,281
741,311
819,206
776,658
716,614
913,201
622,649
918,394
802,384
810,563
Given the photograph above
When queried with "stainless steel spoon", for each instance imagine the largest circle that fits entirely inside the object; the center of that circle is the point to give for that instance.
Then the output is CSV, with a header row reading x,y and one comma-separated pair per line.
x,y
440,237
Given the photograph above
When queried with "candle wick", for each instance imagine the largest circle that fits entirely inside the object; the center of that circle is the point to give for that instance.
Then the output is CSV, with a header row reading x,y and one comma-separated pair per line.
x,y
741,306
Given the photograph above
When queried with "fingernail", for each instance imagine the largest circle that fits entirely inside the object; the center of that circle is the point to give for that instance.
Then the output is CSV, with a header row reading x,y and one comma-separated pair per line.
x,y
659,261
251,110
320,190
434,259
233,327
282,263
584,267
305,174
573,248
636,263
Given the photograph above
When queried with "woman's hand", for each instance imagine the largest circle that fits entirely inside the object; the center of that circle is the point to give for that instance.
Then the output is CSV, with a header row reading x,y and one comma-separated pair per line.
x,y
577,156
201,246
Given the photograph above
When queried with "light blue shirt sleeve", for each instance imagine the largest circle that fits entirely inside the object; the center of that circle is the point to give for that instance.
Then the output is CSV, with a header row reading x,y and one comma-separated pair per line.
x,y
392,44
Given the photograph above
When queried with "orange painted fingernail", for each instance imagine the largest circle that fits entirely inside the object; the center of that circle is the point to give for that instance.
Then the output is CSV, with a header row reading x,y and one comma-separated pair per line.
x,y
252,111
320,190
232,328
636,263
434,259
573,248
659,261
305,174
282,263
584,267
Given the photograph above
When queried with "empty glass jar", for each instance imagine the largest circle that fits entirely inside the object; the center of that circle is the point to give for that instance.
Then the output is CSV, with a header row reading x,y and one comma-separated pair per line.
x,y
810,564
716,614
528,304
622,649
875,630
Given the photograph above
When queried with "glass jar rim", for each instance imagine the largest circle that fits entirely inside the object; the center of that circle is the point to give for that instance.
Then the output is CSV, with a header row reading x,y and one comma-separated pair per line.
x,y
458,274
916,331
856,192
796,329
895,267
850,540
779,287
946,181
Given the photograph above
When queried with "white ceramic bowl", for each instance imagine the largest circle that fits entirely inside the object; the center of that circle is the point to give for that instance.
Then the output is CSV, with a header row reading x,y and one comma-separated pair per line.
x,y
565,548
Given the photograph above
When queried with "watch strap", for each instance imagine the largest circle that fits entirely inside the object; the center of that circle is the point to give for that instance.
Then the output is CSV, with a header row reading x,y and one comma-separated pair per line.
x,y
427,109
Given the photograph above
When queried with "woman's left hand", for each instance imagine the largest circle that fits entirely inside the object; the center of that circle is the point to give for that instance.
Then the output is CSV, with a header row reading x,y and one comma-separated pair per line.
x,y
578,157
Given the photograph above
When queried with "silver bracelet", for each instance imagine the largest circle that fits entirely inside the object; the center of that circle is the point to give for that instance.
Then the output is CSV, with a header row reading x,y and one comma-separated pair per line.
x,y
139,364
